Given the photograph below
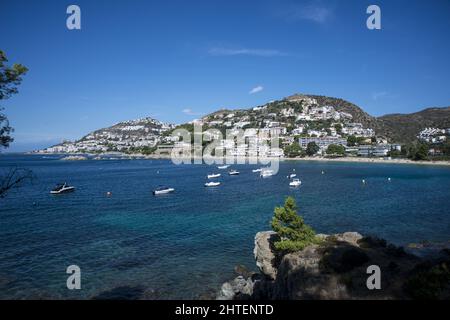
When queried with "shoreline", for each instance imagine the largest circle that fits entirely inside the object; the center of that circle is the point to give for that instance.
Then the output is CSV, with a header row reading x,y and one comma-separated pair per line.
x,y
258,160
372,160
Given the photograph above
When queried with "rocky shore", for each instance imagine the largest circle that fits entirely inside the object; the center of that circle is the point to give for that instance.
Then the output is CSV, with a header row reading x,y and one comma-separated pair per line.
x,y
74,158
337,269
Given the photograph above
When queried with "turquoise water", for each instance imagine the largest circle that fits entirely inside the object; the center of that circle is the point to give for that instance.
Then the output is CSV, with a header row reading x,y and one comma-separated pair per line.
x,y
184,245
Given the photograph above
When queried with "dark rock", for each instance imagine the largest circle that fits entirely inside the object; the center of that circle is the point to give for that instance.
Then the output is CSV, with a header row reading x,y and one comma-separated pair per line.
x,y
121,293
243,271
372,242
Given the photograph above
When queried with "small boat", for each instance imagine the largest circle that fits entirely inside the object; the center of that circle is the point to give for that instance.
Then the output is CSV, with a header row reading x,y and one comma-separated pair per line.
x,y
62,188
212,184
257,170
233,173
295,183
214,175
163,190
293,175
223,167
266,173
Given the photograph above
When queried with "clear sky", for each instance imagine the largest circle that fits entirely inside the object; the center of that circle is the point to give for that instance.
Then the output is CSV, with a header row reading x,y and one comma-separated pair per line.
x,y
177,60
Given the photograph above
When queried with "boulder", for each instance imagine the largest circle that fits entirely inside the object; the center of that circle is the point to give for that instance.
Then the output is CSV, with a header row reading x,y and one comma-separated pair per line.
x,y
350,237
237,288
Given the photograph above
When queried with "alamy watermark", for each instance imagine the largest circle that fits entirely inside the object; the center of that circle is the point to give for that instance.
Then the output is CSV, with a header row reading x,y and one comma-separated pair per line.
x,y
73,21
374,20
74,280
374,280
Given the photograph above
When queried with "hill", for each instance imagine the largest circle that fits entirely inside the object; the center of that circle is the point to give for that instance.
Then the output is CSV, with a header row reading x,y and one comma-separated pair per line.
x,y
403,128
298,114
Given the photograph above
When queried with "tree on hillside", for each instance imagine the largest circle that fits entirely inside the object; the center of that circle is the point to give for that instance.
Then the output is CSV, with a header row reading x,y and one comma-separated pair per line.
x,y
417,151
293,150
421,152
336,149
352,141
445,148
293,232
312,148
338,128
10,78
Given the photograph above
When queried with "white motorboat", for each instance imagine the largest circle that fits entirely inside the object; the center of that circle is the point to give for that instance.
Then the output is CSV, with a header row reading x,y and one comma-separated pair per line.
x,y
163,190
62,188
214,175
212,184
223,167
257,170
266,173
233,173
292,175
295,183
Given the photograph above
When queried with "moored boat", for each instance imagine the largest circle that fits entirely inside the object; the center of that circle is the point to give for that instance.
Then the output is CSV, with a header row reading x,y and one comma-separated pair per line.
x,y
266,173
214,175
212,184
62,188
233,173
163,190
295,183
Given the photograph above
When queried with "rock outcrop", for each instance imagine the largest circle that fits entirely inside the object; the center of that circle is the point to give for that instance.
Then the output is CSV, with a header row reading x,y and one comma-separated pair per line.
x,y
74,158
337,269
264,253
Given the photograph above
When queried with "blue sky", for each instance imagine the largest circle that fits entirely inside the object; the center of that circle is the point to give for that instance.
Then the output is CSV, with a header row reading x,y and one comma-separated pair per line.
x,y
177,60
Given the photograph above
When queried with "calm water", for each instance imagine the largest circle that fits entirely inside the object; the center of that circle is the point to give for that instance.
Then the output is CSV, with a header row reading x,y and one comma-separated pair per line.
x,y
183,245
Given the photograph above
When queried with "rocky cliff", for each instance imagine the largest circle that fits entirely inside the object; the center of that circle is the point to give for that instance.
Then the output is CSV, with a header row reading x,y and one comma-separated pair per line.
x,y
337,269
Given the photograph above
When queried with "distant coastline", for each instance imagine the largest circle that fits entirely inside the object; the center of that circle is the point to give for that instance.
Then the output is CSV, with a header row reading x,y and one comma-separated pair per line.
x,y
97,156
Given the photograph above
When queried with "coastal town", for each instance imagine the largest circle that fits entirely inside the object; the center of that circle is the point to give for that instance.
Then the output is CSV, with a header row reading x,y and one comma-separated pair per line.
x,y
302,125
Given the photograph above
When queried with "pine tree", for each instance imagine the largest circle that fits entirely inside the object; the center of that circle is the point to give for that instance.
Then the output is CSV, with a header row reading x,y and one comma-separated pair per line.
x,y
293,232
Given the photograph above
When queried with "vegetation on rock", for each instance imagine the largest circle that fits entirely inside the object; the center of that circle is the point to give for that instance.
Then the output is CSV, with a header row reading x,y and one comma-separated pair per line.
x,y
293,232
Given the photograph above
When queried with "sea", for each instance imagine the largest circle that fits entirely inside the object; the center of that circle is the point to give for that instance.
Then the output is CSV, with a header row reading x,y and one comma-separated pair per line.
x,y
184,245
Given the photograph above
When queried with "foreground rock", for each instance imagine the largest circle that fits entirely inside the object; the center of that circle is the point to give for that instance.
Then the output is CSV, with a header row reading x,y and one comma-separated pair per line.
x,y
337,269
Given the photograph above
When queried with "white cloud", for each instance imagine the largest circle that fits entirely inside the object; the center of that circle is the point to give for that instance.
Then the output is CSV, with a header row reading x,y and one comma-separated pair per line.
x,y
221,51
378,95
313,11
189,112
256,89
